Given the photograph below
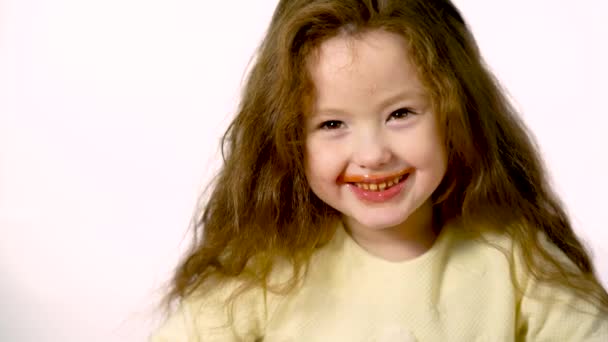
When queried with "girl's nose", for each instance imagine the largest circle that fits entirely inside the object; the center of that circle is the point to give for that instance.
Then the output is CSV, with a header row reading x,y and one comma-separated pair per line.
x,y
371,151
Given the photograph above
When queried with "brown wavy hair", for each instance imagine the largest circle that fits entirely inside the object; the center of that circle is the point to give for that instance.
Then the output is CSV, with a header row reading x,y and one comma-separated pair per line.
x,y
261,208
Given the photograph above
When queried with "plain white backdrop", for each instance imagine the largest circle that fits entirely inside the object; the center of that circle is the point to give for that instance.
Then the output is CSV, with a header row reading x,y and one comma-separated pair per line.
x,y
110,118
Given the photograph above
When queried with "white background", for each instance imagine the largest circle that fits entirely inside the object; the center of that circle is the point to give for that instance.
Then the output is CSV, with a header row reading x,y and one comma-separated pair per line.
x,y
110,116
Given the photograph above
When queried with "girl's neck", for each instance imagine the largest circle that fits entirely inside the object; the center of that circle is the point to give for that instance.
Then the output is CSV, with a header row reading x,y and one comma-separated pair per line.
x,y
406,241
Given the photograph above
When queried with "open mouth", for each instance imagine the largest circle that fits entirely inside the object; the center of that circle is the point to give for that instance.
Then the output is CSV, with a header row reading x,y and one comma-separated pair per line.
x,y
377,188
382,185
377,182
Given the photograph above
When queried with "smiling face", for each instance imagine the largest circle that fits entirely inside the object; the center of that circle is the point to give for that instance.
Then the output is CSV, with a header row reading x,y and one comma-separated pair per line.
x,y
373,148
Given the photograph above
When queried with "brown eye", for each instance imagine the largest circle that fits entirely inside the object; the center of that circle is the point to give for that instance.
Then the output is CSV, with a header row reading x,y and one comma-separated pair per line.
x,y
400,114
331,124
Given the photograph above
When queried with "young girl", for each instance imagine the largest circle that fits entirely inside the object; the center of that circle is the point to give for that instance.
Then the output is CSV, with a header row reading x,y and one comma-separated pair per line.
x,y
378,186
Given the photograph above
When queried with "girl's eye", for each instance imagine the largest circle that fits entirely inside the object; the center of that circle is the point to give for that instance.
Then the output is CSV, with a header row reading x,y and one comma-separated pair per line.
x,y
400,114
331,124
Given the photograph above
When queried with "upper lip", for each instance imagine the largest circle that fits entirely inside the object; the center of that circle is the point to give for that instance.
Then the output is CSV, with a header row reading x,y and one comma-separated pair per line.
x,y
377,179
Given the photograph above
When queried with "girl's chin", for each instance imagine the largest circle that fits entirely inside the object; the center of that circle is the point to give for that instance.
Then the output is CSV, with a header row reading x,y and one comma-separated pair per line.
x,y
375,225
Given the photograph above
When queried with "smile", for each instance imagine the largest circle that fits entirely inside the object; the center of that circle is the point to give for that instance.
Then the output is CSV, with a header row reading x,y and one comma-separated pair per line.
x,y
377,180
379,186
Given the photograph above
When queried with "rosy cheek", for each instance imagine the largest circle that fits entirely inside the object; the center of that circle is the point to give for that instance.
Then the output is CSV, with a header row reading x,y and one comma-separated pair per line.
x,y
319,155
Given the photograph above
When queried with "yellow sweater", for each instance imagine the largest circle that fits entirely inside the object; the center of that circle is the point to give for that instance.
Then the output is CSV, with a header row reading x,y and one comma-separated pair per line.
x,y
459,290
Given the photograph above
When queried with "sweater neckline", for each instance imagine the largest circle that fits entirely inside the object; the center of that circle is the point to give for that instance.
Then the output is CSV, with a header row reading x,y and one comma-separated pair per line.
x,y
361,256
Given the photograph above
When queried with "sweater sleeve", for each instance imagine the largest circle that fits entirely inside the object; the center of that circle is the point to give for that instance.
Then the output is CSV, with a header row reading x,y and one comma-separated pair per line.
x,y
206,318
550,312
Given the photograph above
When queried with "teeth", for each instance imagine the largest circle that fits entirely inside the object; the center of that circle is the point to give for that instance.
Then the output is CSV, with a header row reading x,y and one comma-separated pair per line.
x,y
379,186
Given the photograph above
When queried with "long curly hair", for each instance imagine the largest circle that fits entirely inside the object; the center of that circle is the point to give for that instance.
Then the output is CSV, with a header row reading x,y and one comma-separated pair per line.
x,y
261,208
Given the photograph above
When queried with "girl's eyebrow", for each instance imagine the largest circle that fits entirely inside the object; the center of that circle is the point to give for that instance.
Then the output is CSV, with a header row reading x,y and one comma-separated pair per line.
x,y
322,112
405,94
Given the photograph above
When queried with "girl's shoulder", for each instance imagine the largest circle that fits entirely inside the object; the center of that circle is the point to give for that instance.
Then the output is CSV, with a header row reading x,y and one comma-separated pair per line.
x,y
546,309
212,312
498,244
235,310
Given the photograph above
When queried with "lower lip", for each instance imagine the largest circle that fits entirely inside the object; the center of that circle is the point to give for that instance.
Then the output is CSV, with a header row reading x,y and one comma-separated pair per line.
x,y
379,196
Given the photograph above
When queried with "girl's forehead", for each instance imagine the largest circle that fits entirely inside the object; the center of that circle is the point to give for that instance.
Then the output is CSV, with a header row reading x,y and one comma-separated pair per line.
x,y
367,54
371,64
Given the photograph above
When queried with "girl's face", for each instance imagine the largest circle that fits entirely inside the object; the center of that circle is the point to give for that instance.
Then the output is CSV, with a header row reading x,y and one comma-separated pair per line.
x,y
373,148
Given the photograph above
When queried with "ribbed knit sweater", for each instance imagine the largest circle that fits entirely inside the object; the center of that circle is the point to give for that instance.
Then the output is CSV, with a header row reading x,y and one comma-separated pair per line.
x,y
459,290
